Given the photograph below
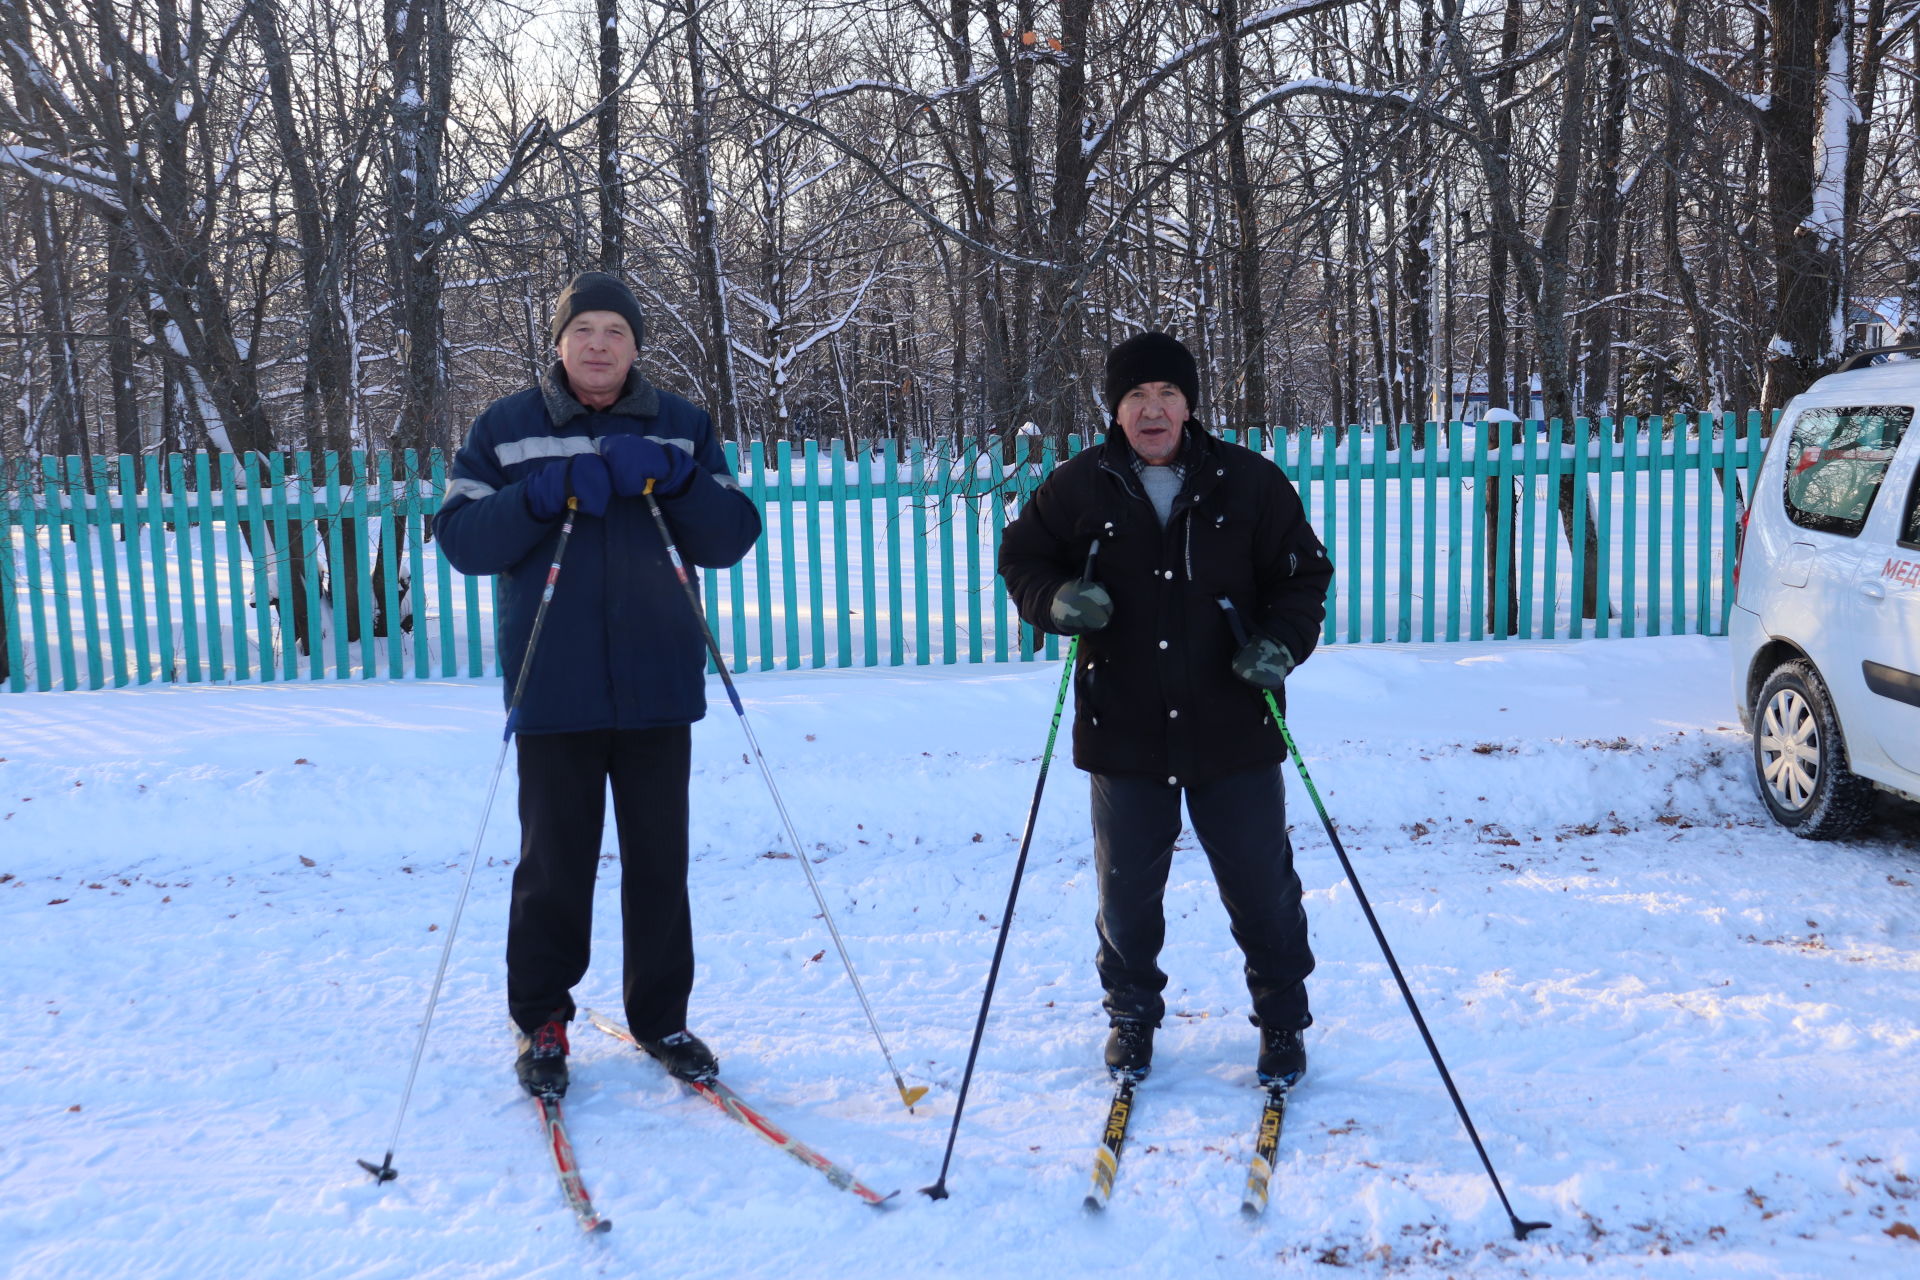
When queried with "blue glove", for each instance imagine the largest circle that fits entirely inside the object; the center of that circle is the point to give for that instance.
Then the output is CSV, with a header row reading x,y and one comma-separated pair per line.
x,y
583,476
634,460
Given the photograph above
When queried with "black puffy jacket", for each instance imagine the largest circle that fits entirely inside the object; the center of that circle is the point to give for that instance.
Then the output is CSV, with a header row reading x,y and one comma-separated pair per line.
x,y
1154,692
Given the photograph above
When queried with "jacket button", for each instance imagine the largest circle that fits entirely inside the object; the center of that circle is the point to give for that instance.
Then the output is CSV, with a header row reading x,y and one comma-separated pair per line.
x,y
1174,714
1173,782
1095,721
1169,573
1163,644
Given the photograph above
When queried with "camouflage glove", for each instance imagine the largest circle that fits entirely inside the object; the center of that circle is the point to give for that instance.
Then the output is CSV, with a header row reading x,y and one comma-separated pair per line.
x,y
1263,663
1080,606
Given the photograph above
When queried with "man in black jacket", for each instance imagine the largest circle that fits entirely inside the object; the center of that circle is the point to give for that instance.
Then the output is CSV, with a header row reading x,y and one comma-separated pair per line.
x,y
1167,701
619,676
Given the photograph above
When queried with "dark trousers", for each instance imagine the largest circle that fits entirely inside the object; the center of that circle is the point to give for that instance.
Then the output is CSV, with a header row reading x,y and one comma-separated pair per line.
x,y
563,797
1241,821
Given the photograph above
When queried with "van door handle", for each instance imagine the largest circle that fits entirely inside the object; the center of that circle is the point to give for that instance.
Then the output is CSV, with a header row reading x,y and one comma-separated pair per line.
x,y
1872,590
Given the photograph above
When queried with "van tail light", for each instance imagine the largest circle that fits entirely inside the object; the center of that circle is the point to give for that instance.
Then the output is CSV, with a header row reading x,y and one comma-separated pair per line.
x,y
1740,546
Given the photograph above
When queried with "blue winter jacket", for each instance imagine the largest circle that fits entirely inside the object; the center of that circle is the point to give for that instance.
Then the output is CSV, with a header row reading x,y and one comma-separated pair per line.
x,y
621,647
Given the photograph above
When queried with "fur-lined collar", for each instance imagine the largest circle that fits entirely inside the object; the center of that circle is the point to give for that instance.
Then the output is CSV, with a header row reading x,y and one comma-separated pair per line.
x,y
637,399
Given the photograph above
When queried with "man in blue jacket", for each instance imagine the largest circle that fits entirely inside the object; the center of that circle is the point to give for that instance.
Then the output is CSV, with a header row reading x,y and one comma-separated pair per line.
x,y
619,677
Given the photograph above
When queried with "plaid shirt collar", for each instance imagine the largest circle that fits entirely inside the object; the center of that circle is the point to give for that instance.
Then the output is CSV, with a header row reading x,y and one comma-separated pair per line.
x,y
1178,466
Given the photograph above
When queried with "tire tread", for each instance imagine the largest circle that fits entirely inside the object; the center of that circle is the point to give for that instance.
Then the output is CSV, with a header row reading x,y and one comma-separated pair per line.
x,y
1842,800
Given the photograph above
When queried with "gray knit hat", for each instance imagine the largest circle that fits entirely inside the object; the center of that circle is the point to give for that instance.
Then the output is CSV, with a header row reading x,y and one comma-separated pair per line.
x,y
597,291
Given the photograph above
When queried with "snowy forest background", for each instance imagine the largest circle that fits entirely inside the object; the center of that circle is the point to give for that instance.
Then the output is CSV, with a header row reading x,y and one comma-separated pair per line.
x,y
328,224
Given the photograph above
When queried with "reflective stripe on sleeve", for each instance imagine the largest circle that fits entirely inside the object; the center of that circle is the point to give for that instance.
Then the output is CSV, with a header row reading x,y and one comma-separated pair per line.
x,y
462,488
543,447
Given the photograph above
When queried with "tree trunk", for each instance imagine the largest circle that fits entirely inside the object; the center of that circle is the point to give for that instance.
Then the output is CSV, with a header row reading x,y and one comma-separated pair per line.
x,y
419,63
1607,205
722,387
613,212
63,425
1251,412
1551,284
1806,177
1062,315
1700,320
122,263
1498,339
1860,132
327,387
62,428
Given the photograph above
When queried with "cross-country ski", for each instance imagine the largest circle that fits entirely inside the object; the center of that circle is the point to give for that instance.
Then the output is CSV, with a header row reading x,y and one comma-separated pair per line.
x,y
717,1092
553,1120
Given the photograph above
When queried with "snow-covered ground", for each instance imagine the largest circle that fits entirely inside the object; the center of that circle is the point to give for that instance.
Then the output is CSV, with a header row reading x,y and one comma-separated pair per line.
x,y
1687,1038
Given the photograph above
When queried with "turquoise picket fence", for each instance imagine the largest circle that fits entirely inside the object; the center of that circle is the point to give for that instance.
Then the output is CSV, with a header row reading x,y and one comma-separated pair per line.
x,y
216,568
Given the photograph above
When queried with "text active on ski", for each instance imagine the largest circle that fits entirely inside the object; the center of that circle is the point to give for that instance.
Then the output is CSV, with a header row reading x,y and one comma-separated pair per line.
x,y
1113,1138
723,1097
1266,1142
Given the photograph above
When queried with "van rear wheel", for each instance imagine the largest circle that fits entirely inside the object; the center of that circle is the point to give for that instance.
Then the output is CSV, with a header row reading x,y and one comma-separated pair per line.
x,y
1800,757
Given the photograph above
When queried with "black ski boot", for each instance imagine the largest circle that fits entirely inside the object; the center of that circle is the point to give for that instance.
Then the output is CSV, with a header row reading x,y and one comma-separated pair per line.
x,y
1283,1057
684,1055
1129,1049
543,1060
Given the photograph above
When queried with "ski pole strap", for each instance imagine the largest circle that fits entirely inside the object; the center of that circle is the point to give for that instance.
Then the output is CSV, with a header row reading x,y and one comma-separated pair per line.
x,y
1234,620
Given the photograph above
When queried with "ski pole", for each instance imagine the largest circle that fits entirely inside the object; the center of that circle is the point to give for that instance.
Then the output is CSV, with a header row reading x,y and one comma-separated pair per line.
x,y
907,1095
1520,1229
938,1190
384,1171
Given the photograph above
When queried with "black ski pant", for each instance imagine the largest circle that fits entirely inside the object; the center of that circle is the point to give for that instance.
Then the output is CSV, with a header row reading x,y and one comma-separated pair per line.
x,y
1241,821
564,780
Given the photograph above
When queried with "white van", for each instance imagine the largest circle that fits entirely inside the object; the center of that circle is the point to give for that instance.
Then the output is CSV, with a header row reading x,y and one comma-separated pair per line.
x,y
1826,617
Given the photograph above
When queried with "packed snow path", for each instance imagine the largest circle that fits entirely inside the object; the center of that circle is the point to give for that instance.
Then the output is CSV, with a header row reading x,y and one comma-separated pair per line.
x,y
1687,1038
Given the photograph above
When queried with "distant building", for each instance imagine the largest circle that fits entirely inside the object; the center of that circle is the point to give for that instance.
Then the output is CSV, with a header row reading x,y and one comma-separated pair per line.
x,y
1469,402
1877,323
1867,327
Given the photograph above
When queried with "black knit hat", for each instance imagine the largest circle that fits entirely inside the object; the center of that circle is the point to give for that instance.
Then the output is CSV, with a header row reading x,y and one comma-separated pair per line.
x,y
597,291
1150,357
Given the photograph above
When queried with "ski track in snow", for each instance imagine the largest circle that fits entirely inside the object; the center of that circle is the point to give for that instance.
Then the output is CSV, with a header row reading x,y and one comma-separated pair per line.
x,y
1686,1037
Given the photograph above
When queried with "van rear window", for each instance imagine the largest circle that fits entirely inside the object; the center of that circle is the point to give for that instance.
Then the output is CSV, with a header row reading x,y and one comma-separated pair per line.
x,y
1836,461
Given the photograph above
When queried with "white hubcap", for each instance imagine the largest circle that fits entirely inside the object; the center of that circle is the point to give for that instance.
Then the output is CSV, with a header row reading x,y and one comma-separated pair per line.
x,y
1790,749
